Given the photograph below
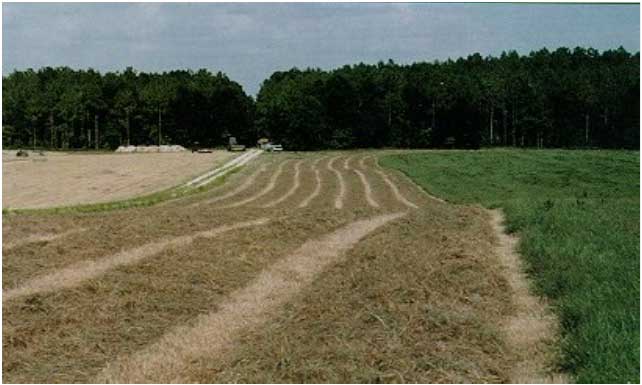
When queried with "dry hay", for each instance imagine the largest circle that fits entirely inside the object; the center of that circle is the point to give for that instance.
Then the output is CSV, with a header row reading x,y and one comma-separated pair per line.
x,y
76,274
166,360
426,299
295,186
338,202
270,186
89,178
318,184
418,302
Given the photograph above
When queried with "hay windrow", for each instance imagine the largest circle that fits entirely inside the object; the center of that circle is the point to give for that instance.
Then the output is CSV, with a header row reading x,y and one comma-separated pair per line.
x,y
69,335
295,186
417,302
317,186
271,185
394,189
338,202
75,275
168,359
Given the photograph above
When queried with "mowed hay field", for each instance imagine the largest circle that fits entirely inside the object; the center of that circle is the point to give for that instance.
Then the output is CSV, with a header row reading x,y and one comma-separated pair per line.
x,y
315,267
58,179
578,216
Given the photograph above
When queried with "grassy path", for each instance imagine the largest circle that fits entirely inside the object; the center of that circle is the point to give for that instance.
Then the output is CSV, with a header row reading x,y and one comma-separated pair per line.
x,y
578,216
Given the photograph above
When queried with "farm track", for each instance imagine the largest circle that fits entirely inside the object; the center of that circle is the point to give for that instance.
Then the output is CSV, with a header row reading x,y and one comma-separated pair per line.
x,y
150,281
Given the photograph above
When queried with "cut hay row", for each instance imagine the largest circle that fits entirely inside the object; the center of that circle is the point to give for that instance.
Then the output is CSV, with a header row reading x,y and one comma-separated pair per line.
x,y
271,185
78,273
317,186
292,190
6,246
346,162
169,359
338,202
249,181
220,171
366,188
393,187
340,198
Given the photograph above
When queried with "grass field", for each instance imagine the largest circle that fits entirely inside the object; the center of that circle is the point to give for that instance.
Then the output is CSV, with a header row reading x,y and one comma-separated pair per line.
x,y
60,179
578,216
310,267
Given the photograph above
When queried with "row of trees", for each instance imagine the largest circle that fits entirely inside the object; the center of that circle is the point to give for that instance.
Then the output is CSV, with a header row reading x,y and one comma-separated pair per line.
x,y
545,99
564,98
63,108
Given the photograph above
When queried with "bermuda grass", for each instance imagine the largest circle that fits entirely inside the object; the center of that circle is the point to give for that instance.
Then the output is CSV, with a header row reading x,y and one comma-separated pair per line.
x,y
578,216
148,200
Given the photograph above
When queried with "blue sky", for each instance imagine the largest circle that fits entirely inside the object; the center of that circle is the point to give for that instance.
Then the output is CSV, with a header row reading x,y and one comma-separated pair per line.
x,y
250,41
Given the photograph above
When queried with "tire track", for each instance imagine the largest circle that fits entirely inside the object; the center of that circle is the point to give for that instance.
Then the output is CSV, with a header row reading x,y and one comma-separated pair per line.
x,y
295,186
224,169
317,187
393,187
247,184
338,201
77,273
265,190
168,360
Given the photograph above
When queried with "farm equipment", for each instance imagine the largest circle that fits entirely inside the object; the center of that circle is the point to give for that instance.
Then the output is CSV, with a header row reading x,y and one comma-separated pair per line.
x,y
233,146
266,145
196,148
273,147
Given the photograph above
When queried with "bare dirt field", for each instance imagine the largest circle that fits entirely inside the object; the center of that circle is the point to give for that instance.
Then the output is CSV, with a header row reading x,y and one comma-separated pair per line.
x,y
315,267
68,179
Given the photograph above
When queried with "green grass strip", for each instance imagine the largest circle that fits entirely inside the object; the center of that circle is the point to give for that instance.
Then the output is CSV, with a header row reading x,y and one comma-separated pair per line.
x,y
578,216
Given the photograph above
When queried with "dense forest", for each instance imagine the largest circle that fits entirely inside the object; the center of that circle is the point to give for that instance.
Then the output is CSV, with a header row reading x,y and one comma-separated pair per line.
x,y
63,108
564,98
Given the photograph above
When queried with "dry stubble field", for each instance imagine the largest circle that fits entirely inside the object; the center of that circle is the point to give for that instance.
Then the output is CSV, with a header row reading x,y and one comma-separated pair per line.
x,y
317,267
59,179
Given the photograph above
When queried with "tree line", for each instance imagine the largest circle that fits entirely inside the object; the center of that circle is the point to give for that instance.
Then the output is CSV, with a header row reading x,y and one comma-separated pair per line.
x,y
563,98
65,109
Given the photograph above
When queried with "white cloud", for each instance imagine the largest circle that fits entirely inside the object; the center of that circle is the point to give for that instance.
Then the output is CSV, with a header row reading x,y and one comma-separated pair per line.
x,y
250,41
